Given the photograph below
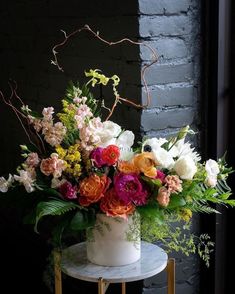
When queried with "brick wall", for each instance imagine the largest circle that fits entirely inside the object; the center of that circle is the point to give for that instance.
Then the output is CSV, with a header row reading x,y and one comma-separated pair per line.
x,y
29,29
172,27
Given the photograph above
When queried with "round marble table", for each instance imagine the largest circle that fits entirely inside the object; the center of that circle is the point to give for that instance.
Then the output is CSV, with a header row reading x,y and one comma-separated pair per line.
x,y
153,260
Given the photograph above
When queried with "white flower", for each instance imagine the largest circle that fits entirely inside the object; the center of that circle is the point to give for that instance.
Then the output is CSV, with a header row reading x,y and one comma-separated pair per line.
x,y
126,139
163,158
5,184
212,170
154,143
107,133
26,177
126,153
185,167
212,167
181,149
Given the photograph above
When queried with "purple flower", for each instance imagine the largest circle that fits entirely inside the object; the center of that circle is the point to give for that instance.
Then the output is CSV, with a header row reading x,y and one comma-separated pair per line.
x,y
96,157
68,191
129,189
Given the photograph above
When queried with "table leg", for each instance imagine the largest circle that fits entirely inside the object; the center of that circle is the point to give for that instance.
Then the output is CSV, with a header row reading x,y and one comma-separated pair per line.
x,y
171,276
102,286
123,288
57,269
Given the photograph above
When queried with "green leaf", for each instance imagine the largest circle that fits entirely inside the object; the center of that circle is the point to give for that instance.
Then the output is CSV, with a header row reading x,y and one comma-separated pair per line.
x,y
176,201
53,207
82,220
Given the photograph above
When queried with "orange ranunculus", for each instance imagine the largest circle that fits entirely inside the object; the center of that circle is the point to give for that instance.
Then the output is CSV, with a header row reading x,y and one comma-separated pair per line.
x,y
127,167
146,164
113,206
92,189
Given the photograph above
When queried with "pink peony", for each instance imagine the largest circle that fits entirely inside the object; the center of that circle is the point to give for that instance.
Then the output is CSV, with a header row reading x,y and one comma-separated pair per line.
x,y
129,189
68,191
96,157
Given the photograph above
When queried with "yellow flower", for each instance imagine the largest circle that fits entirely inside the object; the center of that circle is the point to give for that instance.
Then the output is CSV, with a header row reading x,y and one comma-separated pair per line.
x,y
186,214
61,152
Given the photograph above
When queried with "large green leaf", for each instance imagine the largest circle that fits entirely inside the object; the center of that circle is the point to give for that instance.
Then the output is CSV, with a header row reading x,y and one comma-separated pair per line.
x,y
82,220
176,201
53,207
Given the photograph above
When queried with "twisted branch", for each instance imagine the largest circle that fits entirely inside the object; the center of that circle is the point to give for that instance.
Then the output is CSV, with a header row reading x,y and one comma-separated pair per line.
x,y
109,43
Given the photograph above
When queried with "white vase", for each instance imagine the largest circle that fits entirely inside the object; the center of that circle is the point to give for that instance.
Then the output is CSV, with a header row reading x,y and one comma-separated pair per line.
x,y
114,241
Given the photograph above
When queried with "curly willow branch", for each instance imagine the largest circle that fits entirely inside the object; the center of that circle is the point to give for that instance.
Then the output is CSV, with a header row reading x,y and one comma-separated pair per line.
x,y
96,35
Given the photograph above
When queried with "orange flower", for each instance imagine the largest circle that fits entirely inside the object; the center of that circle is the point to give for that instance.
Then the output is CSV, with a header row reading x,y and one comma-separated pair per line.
x,y
92,189
113,206
127,167
146,164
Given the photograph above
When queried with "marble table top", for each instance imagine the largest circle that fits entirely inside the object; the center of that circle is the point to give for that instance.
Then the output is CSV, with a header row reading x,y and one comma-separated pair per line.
x,y
74,263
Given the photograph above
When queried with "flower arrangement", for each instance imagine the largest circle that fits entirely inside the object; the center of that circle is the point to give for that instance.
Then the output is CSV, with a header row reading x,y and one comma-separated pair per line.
x,y
82,166
77,165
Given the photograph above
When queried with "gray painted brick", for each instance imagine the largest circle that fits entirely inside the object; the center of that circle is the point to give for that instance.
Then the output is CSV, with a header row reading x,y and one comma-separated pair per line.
x,y
165,25
172,118
170,95
164,6
167,48
169,73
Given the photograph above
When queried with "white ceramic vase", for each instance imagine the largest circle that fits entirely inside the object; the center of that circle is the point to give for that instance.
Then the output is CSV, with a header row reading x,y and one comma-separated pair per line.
x,y
114,241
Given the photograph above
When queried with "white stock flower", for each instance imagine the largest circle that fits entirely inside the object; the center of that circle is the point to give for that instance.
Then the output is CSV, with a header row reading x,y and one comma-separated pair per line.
x,y
27,179
185,167
212,170
126,139
5,184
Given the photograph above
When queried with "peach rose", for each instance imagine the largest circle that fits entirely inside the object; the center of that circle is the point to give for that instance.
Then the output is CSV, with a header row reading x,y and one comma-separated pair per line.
x,y
113,206
92,189
127,167
146,164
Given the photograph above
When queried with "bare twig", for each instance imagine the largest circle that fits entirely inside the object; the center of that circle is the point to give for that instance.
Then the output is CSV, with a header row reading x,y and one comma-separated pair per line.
x,y
67,37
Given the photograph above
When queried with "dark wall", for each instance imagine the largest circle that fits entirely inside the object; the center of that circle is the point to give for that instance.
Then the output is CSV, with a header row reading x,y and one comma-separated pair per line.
x,y
28,31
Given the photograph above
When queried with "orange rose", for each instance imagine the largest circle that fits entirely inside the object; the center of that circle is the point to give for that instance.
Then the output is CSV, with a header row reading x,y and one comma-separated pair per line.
x,y
127,167
113,206
146,164
92,189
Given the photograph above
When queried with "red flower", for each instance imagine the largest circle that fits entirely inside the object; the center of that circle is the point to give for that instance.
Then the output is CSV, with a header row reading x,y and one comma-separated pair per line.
x,y
110,154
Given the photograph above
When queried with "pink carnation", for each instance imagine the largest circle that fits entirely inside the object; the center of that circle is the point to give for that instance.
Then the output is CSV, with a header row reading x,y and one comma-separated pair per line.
x,y
32,159
173,184
129,189
68,191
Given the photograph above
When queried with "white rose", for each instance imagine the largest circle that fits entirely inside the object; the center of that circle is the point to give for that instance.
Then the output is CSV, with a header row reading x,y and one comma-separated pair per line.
x,y
163,158
126,139
212,167
111,129
185,167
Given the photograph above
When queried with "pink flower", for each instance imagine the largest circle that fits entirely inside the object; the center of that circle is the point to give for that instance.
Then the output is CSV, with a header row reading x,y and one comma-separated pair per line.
x,y
52,166
68,191
173,184
163,197
160,175
32,159
96,157
129,189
